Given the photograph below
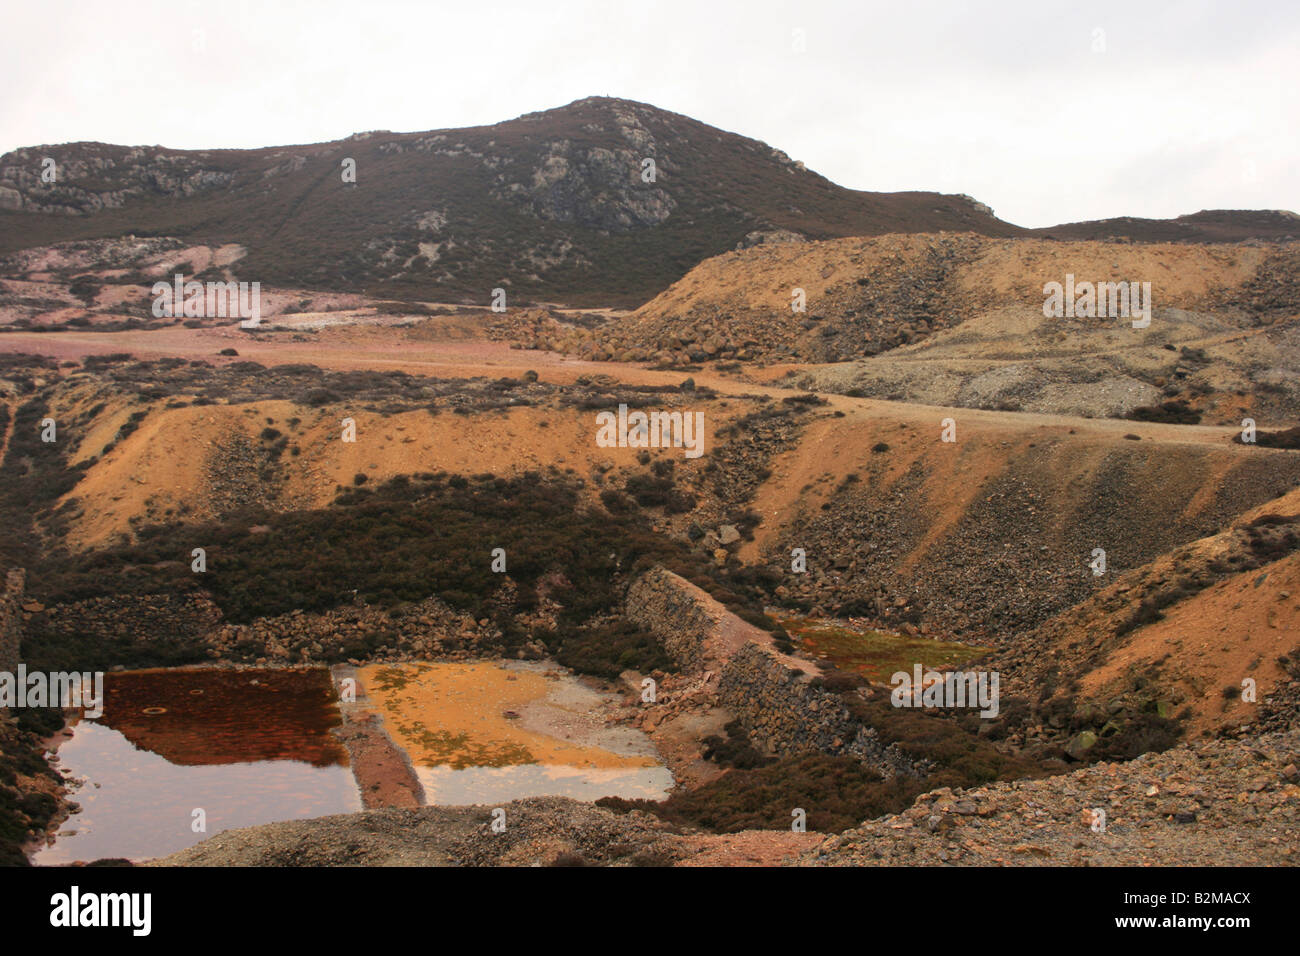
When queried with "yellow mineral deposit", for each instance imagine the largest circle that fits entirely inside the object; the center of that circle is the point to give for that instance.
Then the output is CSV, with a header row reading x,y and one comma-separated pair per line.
x,y
462,715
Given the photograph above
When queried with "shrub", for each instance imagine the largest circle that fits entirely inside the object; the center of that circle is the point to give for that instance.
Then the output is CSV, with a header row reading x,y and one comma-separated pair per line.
x,y
734,750
1147,612
615,502
1176,412
317,397
837,792
606,650
649,491
1283,439
1142,733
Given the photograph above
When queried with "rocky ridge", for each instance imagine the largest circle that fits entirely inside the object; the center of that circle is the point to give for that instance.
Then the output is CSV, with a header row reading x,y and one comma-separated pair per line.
x,y
1222,803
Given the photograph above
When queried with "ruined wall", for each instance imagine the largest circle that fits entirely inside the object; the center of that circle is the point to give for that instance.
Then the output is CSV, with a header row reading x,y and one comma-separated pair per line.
x,y
786,714
676,612
772,694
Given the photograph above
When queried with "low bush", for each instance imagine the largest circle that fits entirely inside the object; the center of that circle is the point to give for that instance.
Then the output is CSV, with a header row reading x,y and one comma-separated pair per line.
x,y
608,649
1176,412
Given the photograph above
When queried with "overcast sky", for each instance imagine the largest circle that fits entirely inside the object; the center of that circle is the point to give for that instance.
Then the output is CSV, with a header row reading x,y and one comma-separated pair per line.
x,y
1048,111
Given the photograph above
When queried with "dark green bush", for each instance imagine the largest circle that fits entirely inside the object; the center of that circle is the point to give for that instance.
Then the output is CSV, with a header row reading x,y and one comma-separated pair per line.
x,y
1176,412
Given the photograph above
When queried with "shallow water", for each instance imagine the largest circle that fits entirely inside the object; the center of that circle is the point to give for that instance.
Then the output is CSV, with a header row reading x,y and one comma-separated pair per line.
x,y
218,716
137,804
245,747
873,654
489,732
446,786
256,746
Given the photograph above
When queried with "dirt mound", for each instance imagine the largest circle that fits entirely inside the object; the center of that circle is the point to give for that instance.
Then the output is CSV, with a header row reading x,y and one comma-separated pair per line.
x,y
993,533
200,462
1181,635
897,524
1015,360
861,297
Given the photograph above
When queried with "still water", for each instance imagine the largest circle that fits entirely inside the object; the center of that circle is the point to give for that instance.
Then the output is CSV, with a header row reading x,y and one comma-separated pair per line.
x,y
239,747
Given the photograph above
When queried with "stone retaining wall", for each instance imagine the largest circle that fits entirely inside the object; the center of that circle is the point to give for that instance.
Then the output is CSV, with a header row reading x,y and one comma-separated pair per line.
x,y
676,612
773,695
785,713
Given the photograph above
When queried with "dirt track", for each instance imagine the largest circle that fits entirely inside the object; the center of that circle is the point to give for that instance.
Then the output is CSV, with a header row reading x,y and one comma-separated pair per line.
x,y
370,349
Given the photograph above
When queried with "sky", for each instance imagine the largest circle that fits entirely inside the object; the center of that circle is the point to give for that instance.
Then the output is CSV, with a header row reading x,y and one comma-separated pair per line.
x,y
1047,111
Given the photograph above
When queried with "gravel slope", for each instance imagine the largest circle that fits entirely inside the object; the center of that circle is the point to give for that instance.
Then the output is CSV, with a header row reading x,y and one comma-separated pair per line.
x,y
1223,803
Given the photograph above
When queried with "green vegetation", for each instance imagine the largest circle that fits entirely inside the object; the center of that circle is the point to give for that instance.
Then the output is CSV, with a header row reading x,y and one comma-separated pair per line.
x,y
836,792
875,655
36,476
1177,412
607,649
840,791
398,543
734,750
20,753
1120,736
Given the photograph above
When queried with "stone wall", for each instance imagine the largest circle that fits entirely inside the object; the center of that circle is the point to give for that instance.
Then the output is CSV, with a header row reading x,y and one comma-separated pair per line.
x,y
773,695
785,713
676,612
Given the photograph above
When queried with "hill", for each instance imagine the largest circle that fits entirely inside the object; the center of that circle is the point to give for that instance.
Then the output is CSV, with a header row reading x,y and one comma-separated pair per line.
x,y
958,319
1208,225
549,205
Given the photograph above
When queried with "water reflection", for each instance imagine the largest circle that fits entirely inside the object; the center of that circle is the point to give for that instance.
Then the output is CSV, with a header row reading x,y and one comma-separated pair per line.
x,y
447,786
143,804
245,747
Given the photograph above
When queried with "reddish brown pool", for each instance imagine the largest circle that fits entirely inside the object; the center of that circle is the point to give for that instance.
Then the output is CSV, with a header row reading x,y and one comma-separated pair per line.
x,y
203,716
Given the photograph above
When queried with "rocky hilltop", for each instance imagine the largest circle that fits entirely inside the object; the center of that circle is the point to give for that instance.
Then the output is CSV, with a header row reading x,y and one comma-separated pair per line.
x,y
602,202
557,204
